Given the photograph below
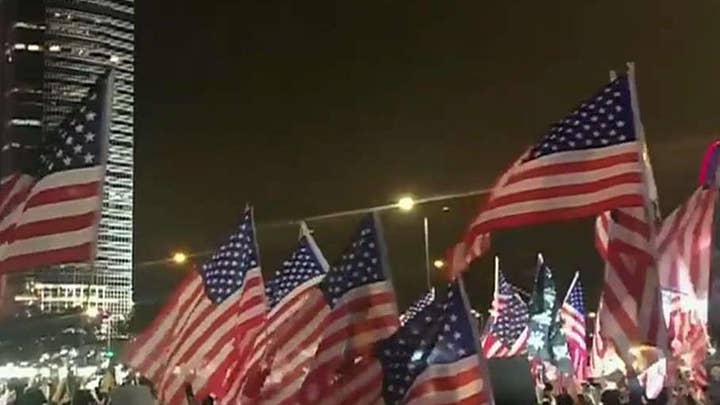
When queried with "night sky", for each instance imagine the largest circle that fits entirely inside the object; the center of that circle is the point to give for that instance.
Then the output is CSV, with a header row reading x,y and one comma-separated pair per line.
x,y
304,108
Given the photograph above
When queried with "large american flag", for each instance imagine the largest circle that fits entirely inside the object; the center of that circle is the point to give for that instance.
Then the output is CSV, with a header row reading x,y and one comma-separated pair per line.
x,y
507,331
572,313
195,337
587,163
363,312
684,245
632,303
435,358
289,340
50,207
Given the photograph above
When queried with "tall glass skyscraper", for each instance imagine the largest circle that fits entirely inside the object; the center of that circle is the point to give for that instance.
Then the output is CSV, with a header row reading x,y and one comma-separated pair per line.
x,y
79,40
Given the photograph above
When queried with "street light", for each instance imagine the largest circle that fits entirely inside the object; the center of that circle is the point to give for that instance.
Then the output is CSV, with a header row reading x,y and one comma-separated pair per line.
x,y
179,258
406,204
439,264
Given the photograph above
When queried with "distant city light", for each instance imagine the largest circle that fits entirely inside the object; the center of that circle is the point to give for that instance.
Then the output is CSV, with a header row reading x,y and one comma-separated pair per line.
x,y
406,203
92,312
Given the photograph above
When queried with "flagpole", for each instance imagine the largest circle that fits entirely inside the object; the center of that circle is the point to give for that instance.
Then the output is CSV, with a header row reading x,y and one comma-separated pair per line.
x,y
497,273
426,229
572,285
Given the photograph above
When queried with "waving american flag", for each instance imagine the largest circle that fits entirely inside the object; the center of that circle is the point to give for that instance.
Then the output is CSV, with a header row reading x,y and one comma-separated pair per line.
x,y
572,313
361,299
281,354
435,358
50,205
507,331
195,337
587,163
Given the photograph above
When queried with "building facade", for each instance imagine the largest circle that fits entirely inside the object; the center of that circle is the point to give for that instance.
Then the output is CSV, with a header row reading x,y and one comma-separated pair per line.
x,y
79,40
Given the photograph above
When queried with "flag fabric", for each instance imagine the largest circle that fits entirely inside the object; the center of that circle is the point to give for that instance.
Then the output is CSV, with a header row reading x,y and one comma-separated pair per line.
x,y
435,358
688,339
684,246
587,163
417,306
598,348
50,207
546,341
194,338
632,303
289,339
507,331
573,317
361,298
542,307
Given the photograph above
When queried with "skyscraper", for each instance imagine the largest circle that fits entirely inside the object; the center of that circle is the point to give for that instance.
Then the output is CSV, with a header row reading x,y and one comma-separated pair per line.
x,y
76,40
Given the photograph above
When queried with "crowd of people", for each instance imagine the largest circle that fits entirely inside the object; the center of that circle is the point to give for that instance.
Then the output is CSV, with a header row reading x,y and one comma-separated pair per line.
x,y
621,391
99,389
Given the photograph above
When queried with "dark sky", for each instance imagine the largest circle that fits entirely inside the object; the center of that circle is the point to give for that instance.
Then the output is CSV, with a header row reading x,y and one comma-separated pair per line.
x,y
308,107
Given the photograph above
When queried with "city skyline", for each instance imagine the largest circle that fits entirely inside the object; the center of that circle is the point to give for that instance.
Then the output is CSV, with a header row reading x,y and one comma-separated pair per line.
x,y
70,43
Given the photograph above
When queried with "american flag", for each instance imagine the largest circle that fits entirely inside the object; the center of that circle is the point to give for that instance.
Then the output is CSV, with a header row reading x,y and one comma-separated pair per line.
x,y
49,212
507,331
289,340
435,359
688,338
632,304
362,382
195,337
363,312
589,162
684,245
573,317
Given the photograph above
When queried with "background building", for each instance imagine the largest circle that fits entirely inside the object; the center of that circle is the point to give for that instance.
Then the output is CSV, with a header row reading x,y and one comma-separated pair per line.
x,y
54,51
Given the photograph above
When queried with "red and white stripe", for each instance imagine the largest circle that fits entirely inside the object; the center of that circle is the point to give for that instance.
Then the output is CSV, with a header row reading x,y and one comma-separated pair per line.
x,y
684,246
462,382
361,318
48,221
574,330
193,340
564,186
689,340
288,343
361,384
493,347
632,304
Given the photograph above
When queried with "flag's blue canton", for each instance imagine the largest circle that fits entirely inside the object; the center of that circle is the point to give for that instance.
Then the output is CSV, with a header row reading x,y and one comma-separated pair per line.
x,y
417,306
225,273
439,334
79,140
403,355
362,263
576,298
511,314
456,339
603,120
300,267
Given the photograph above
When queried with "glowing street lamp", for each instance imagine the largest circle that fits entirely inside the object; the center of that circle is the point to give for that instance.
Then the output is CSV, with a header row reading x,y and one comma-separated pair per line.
x,y
179,258
439,264
406,204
